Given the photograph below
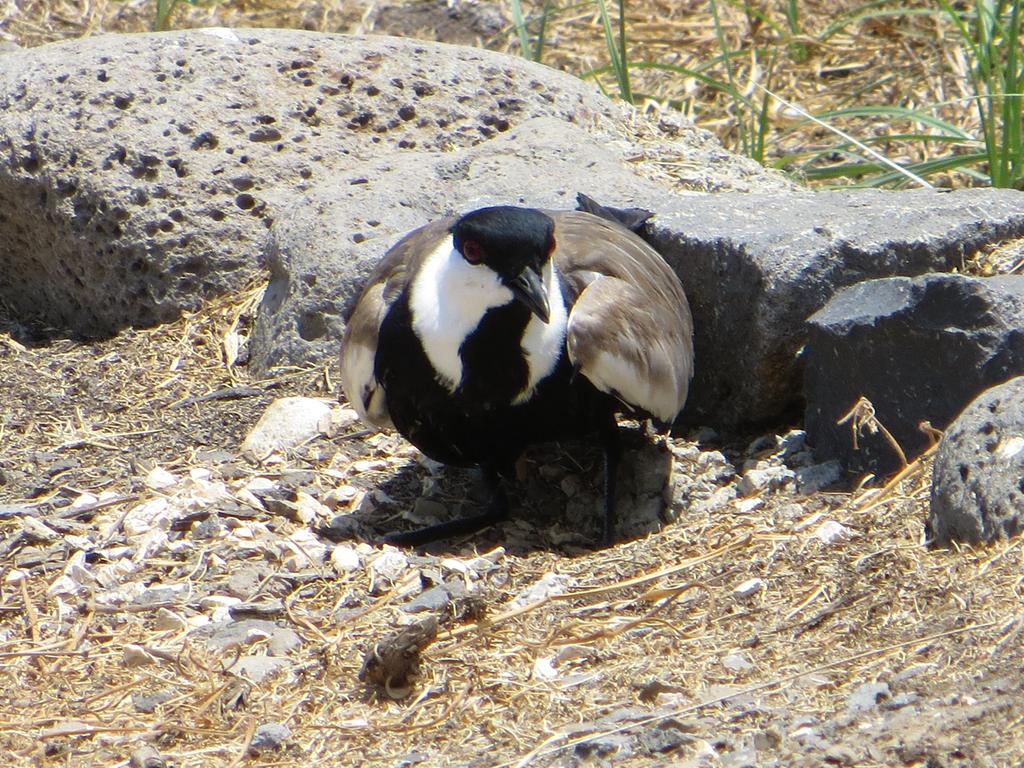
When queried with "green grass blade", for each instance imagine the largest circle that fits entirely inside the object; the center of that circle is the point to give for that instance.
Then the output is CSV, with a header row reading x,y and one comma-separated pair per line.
x,y
519,24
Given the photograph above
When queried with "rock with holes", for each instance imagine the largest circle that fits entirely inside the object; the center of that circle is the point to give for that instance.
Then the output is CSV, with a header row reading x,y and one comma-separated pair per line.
x,y
978,479
321,251
918,349
754,265
140,174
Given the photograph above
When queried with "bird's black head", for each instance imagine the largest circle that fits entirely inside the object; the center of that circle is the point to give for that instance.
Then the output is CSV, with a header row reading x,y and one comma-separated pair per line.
x,y
514,242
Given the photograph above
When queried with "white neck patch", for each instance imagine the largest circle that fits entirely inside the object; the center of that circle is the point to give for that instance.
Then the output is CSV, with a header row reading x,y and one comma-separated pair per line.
x,y
447,299
543,342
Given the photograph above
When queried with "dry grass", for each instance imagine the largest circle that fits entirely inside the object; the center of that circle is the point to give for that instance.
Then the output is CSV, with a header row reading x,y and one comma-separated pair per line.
x,y
643,631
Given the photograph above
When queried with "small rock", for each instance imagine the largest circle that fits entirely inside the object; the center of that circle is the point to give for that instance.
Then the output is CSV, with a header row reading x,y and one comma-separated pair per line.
x,y
268,608
208,528
746,506
146,757
148,702
433,599
390,565
549,584
666,736
813,478
287,423
900,701
749,588
256,669
977,491
135,656
168,621
830,532
427,511
232,634
413,758
269,736
867,697
736,662
344,496
763,478
344,559
159,479
303,550
840,754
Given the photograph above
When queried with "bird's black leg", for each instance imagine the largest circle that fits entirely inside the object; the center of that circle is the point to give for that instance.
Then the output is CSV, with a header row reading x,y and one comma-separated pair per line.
x,y
497,510
609,434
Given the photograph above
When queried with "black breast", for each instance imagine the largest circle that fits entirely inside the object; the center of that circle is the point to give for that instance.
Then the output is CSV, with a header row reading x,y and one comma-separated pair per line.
x,y
477,423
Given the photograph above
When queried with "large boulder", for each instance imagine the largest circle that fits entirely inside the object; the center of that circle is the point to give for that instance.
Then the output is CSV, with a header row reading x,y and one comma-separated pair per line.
x,y
320,252
141,173
919,349
978,478
754,265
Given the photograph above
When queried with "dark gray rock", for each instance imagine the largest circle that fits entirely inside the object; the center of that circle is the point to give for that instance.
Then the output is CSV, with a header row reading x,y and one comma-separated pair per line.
x,y
978,477
139,174
756,266
148,702
918,349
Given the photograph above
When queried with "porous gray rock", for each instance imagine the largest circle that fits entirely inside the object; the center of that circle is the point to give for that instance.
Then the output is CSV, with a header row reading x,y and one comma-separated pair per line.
x,y
754,266
918,349
140,173
321,251
978,477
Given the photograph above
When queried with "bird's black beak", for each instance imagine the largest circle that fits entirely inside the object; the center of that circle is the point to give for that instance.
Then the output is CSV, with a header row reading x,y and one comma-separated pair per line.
x,y
529,290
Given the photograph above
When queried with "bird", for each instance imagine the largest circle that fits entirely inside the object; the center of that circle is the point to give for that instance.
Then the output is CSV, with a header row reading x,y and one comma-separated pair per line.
x,y
481,334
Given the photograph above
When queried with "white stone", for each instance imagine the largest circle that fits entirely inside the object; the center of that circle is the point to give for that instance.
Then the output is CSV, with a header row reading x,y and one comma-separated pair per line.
x,y
344,559
159,479
549,584
287,423
135,656
830,532
749,588
745,506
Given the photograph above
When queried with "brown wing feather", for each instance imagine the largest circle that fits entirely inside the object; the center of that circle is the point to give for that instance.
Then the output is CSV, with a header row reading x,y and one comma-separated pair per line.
x,y
383,287
630,330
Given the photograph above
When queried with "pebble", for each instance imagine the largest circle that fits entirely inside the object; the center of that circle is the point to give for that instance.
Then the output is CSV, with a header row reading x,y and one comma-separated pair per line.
x,y
830,532
256,669
270,736
146,757
389,565
548,584
748,588
867,697
736,662
344,559
810,480
287,423
433,599
427,511
158,479
148,702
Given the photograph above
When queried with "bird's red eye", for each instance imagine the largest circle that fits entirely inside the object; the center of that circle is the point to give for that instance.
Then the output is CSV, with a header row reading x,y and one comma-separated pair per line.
x,y
472,252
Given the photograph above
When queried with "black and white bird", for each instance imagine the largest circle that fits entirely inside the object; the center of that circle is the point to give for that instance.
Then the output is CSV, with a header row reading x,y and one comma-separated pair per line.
x,y
480,335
